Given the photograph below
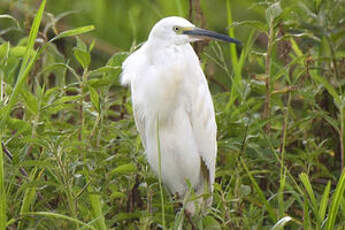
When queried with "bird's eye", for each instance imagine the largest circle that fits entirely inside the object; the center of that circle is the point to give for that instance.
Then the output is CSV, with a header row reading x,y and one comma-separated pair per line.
x,y
176,28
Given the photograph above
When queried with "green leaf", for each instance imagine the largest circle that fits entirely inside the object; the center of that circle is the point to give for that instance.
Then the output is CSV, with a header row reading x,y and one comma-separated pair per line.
x,y
7,16
325,47
334,123
336,199
20,126
338,35
281,223
260,26
83,57
305,180
3,201
81,45
30,101
32,37
124,169
306,216
4,50
92,45
272,12
117,59
331,90
317,4
260,193
58,107
97,211
59,104
295,48
117,195
59,65
96,83
26,66
19,51
104,69
58,216
209,223
127,216
74,32
29,195
324,201
36,163
65,99
94,98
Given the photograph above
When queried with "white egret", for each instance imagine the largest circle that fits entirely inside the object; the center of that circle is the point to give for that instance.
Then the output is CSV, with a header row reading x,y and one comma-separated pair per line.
x,y
167,83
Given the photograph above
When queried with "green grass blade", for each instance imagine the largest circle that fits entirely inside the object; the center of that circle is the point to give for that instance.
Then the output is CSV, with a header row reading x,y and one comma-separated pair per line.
x,y
282,183
305,180
7,16
3,217
246,49
233,51
32,36
281,223
74,32
336,199
97,210
296,48
331,90
59,216
236,86
237,79
306,219
29,197
269,208
314,205
324,201
28,60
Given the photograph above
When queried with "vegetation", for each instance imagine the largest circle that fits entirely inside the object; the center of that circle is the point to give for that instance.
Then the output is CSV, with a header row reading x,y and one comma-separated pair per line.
x,y
71,157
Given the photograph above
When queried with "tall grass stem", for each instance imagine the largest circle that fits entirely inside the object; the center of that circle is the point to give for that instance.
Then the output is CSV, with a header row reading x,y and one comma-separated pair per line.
x,y
160,172
27,63
267,105
3,205
236,80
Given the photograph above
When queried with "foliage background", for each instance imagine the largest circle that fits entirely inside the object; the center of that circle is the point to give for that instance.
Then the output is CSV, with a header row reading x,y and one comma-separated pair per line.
x,y
72,158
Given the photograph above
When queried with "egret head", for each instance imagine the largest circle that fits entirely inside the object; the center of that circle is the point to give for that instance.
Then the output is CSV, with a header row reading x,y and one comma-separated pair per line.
x,y
176,31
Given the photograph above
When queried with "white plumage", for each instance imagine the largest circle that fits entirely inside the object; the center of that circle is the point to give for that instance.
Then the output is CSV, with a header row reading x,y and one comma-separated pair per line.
x,y
167,81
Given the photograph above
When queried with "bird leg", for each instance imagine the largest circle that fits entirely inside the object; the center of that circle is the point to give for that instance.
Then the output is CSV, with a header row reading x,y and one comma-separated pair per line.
x,y
189,219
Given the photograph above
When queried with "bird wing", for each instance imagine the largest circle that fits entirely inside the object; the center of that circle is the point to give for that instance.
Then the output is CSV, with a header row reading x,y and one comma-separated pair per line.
x,y
127,78
204,126
140,123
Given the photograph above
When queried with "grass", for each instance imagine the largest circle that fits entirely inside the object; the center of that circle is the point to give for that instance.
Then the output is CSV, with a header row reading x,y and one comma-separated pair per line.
x,y
71,157
160,172
3,217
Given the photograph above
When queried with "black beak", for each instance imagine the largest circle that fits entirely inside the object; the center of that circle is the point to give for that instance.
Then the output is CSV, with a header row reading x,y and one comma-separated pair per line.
x,y
206,34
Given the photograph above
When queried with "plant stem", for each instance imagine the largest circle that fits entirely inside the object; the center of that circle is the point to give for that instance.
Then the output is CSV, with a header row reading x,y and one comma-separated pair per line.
x,y
267,105
1,86
66,182
3,218
282,153
160,172
236,81
341,137
81,106
233,51
337,77
334,59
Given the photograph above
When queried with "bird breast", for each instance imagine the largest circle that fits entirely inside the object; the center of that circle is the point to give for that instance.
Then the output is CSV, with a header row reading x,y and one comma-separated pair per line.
x,y
159,86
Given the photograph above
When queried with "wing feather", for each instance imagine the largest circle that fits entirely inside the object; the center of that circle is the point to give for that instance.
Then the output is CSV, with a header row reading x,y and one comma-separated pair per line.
x,y
204,126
